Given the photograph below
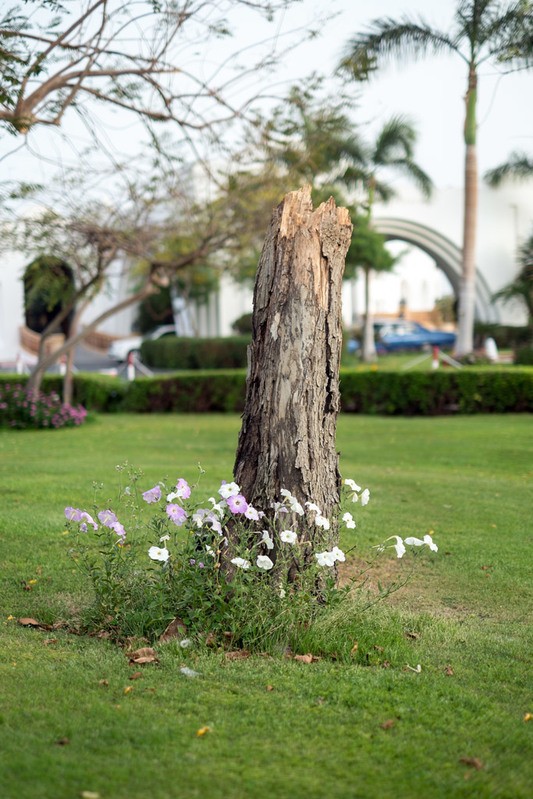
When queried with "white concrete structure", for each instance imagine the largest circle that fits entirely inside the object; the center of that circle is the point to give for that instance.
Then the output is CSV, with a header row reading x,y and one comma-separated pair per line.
x,y
432,230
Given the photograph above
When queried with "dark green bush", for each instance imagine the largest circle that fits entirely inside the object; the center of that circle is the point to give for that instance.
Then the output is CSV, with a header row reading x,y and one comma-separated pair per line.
x,y
444,391
193,392
524,356
507,337
196,353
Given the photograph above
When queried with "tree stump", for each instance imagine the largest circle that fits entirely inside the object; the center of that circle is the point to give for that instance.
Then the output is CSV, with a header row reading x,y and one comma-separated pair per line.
x,y
287,439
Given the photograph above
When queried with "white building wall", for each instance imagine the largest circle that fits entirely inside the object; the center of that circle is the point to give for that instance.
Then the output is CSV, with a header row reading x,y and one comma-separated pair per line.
x,y
11,304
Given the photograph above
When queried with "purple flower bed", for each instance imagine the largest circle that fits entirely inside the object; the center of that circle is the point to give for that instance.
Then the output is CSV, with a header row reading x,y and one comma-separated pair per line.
x,y
22,409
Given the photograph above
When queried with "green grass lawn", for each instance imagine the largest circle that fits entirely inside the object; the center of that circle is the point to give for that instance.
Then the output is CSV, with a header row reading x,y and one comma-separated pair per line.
x,y
279,728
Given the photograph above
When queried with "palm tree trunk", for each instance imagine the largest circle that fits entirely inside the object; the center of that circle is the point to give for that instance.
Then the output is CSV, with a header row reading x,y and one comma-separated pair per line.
x,y
465,337
369,344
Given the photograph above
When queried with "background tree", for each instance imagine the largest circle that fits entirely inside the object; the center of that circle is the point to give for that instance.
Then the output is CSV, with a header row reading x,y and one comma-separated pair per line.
x,y
368,252
483,30
519,166
130,56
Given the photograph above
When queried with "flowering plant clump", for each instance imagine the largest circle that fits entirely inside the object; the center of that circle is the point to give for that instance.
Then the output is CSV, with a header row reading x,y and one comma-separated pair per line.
x,y
21,409
220,566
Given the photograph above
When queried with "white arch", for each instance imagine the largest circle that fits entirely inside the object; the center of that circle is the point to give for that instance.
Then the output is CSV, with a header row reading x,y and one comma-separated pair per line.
x,y
444,252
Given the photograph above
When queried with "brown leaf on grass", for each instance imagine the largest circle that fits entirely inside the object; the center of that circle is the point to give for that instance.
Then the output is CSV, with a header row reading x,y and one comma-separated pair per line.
x,y
143,655
62,742
210,639
354,648
237,654
386,664
269,687
136,675
309,658
386,725
378,648
176,629
474,762
49,641
202,731
528,716
448,671
128,689
89,795
103,683
32,623
412,634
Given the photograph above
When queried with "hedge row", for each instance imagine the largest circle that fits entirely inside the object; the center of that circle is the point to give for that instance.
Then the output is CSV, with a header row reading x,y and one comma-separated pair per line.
x,y
444,391
171,352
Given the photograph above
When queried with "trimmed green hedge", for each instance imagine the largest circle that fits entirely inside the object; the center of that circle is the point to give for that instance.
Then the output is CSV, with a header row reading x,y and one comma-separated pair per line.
x,y
170,352
469,390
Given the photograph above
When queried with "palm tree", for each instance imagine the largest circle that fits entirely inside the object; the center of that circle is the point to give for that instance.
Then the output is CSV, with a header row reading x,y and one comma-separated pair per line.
x,y
393,150
482,30
519,166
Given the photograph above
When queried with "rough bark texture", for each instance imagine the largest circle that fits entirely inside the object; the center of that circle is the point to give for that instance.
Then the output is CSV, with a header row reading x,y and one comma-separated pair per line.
x,y
287,438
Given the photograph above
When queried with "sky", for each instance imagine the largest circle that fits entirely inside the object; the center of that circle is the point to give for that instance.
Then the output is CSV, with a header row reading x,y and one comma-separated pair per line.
x,y
429,92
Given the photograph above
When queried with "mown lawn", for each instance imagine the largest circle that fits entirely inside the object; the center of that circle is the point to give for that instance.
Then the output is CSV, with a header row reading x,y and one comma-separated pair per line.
x,y
280,728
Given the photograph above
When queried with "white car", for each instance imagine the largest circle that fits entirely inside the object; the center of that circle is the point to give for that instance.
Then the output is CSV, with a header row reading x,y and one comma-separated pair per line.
x,y
120,349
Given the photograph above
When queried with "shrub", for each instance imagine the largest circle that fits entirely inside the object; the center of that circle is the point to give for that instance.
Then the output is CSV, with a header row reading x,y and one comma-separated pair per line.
x,y
243,325
20,409
192,392
507,337
524,356
196,353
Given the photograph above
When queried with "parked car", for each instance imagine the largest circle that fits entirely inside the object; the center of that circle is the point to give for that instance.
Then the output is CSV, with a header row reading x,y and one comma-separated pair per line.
x,y
120,349
394,335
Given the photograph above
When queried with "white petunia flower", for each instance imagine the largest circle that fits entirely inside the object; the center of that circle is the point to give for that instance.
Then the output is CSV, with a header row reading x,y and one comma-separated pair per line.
x,y
431,544
398,546
229,490
413,542
296,507
312,506
218,507
164,538
321,521
349,521
325,558
338,554
352,485
365,497
252,514
264,562
241,563
285,493
267,539
172,496
288,537
156,553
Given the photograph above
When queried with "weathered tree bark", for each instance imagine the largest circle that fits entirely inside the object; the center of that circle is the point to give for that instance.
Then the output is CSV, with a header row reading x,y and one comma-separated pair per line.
x,y
287,438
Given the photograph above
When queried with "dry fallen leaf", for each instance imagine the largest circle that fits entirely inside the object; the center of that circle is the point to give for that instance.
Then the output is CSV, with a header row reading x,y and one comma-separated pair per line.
x,y
271,688
89,795
103,683
309,658
378,648
388,724
136,675
412,634
176,629
528,716
474,762
63,742
237,654
29,622
448,671
202,731
354,648
48,641
128,689
143,655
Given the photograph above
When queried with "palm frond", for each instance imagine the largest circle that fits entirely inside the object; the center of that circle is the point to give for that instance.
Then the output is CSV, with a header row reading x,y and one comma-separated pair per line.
x,y
387,38
519,166
396,139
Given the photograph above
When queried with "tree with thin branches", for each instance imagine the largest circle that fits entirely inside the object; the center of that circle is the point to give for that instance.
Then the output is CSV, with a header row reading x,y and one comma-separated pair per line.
x,y
482,31
135,57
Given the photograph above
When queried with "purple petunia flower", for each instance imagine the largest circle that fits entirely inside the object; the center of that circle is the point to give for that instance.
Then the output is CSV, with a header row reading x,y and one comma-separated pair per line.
x,y
73,514
107,517
118,529
176,514
237,504
152,495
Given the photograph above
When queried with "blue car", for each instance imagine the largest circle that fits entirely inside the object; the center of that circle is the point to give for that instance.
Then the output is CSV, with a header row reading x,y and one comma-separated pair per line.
x,y
400,334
